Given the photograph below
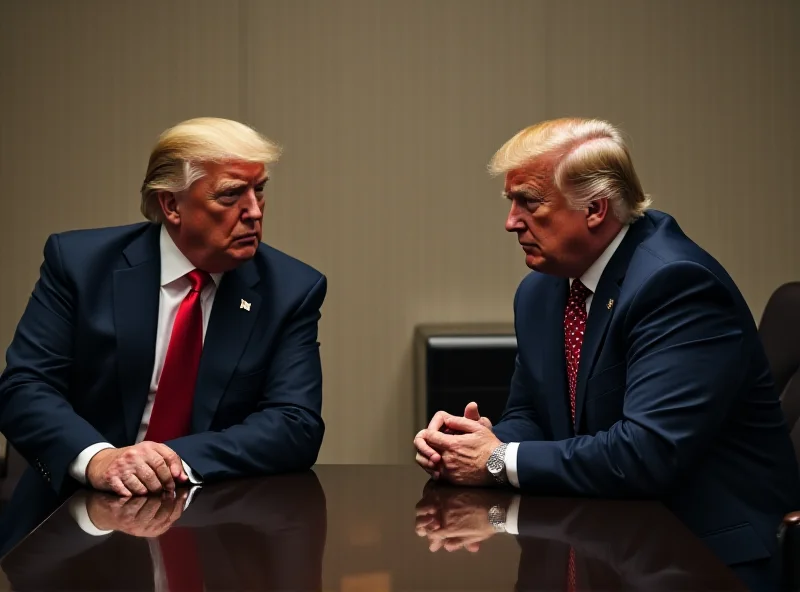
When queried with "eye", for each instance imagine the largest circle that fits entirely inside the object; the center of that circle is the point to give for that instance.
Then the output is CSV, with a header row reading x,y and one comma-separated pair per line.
x,y
229,197
260,190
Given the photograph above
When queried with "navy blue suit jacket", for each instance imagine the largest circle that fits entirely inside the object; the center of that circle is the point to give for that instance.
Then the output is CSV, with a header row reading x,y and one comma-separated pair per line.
x,y
674,397
79,367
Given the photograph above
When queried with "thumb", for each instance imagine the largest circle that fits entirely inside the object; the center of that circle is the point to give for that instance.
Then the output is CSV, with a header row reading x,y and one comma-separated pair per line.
x,y
471,411
462,424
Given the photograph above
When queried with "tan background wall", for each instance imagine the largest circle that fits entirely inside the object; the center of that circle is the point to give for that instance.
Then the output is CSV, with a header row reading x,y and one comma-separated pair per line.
x,y
388,112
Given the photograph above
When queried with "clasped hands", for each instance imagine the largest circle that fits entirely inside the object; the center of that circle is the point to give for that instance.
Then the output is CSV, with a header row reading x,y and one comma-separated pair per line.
x,y
147,467
456,449
137,516
455,518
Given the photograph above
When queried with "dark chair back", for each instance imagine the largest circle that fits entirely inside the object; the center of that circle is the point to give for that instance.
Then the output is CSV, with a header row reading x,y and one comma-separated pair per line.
x,y
780,334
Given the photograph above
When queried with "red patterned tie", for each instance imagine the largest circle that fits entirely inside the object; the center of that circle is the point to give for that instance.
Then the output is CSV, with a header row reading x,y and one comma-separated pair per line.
x,y
572,572
172,410
574,327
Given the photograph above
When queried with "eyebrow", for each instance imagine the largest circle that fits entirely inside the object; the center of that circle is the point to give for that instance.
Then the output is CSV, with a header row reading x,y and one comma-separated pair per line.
x,y
231,184
522,192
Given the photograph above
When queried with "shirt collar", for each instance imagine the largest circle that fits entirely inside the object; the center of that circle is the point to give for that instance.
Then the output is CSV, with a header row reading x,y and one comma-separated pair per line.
x,y
174,264
591,276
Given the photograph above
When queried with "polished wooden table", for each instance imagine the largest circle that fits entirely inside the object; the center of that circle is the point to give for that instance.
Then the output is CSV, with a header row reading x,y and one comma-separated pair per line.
x,y
353,529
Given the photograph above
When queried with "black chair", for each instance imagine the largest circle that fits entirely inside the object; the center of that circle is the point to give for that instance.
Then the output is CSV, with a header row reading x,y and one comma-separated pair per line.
x,y
780,333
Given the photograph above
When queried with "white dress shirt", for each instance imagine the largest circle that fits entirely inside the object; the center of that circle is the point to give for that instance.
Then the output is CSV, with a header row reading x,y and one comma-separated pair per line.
x,y
590,279
174,288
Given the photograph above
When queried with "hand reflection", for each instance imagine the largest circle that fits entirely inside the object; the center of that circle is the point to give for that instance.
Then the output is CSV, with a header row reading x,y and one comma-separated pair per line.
x,y
136,516
456,518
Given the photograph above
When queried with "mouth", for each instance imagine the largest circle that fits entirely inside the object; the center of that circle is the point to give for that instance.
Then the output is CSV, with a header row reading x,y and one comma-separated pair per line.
x,y
528,247
246,238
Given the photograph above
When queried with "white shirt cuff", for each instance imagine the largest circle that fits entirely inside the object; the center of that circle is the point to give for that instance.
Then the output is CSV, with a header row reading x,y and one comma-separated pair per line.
x,y
511,463
512,516
77,468
193,478
80,513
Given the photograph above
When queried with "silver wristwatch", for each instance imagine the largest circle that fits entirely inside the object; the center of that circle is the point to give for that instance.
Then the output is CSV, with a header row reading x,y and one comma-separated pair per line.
x,y
497,518
496,465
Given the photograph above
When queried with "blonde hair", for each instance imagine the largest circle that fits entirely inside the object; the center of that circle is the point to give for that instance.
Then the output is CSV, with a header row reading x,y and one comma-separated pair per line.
x,y
177,159
592,162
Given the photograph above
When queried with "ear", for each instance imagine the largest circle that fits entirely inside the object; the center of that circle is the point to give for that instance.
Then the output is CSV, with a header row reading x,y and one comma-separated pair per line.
x,y
597,212
169,207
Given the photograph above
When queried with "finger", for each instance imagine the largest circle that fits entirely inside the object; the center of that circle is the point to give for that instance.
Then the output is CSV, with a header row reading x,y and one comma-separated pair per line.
x,y
471,411
161,468
424,449
117,487
425,462
148,511
461,424
164,510
452,545
426,510
133,484
439,440
173,461
436,544
437,421
485,422
472,547
148,476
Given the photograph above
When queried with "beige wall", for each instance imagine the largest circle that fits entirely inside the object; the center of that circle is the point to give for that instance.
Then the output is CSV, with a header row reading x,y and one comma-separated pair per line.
x,y
388,112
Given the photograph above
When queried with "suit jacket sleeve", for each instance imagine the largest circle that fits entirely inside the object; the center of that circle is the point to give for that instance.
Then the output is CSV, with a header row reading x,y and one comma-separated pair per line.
x,y
35,413
686,355
520,421
285,432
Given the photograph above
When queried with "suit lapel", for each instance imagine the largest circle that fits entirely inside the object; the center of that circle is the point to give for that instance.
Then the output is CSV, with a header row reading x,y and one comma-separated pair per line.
x,y
554,366
596,325
136,294
228,331
603,307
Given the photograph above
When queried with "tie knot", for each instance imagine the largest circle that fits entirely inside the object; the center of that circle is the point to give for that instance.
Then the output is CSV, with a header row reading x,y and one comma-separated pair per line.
x,y
199,279
579,292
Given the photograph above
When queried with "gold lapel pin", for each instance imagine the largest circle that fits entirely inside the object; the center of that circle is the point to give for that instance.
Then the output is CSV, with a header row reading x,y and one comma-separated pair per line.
x,y
245,305
610,303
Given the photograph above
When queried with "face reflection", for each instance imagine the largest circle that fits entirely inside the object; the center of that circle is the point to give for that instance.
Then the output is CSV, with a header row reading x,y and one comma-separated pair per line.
x,y
217,221
552,235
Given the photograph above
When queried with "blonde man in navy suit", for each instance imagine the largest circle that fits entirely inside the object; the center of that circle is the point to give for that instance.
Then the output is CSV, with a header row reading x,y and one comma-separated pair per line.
x,y
181,349
639,370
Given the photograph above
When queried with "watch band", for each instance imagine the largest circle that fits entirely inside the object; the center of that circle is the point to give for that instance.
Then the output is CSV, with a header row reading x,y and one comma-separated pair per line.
x,y
496,464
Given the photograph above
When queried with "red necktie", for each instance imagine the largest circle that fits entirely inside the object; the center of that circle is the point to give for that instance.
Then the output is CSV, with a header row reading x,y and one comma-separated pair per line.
x,y
574,327
181,561
572,572
172,411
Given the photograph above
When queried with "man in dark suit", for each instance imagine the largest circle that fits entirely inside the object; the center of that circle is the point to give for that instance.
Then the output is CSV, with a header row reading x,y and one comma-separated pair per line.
x,y
639,370
180,349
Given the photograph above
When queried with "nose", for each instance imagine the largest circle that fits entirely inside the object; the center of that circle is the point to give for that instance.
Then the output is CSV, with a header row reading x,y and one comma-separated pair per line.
x,y
513,221
251,209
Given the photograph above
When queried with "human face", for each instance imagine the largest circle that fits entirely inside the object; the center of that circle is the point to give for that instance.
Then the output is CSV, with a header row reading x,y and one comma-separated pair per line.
x,y
553,236
216,223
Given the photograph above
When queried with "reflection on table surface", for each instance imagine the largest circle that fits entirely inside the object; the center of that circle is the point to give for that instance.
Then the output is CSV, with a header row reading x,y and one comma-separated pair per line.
x,y
349,528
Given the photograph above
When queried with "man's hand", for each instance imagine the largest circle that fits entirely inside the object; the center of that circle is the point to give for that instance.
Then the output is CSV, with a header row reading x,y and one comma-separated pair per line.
x,y
147,467
136,516
457,518
463,453
427,457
